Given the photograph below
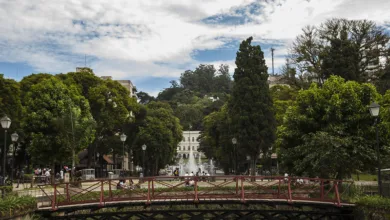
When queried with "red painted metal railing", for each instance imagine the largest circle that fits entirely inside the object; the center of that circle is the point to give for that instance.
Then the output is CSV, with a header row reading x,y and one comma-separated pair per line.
x,y
196,189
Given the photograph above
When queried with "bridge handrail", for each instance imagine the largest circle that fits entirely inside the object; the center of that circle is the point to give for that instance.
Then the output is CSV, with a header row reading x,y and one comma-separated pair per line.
x,y
277,187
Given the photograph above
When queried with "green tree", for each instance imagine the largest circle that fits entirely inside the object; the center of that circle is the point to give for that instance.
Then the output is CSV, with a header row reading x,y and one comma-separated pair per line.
x,y
351,49
216,140
328,131
168,93
161,133
46,102
251,106
27,82
10,105
283,97
144,98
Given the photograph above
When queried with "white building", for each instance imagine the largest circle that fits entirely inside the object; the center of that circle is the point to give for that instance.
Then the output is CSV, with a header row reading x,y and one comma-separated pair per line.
x,y
189,144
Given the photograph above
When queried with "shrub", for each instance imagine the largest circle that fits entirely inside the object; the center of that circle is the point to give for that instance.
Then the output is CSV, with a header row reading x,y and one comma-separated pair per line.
x,y
7,189
373,207
13,205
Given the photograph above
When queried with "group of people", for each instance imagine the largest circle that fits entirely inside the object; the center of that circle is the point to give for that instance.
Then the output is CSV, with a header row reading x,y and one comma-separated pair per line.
x,y
45,173
122,184
190,181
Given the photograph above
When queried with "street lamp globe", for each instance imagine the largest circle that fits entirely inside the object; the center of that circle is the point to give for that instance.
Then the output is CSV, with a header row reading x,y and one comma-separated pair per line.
x,y
5,122
123,137
144,147
14,137
234,140
374,109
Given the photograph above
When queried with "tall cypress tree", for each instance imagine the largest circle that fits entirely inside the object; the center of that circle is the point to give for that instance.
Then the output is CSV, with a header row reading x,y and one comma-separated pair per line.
x,y
251,106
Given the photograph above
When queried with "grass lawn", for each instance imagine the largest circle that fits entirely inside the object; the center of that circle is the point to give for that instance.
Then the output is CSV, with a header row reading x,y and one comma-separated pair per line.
x,y
364,177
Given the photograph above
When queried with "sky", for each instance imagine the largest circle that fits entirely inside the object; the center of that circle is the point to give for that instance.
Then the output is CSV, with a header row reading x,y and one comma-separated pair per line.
x,y
151,42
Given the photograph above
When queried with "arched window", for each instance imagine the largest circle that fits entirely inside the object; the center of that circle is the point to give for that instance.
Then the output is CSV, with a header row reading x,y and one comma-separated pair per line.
x,y
184,139
193,148
179,148
188,139
189,148
193,139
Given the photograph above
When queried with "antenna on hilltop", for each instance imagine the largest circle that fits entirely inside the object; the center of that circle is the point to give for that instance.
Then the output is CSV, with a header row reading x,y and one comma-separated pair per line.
x,y
272,54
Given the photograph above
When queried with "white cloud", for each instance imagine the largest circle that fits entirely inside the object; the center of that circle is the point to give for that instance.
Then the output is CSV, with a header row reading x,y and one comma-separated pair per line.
x,y
155,37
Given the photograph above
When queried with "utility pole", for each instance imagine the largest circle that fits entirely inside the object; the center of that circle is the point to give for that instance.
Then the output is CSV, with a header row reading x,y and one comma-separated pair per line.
x,y
272,54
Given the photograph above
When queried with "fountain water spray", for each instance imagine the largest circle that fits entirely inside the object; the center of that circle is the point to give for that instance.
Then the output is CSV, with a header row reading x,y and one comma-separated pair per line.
x,y
191,165
211,167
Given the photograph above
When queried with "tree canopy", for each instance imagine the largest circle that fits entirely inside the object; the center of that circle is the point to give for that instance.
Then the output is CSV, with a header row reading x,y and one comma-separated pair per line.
x,y
351,49
251,105
328,130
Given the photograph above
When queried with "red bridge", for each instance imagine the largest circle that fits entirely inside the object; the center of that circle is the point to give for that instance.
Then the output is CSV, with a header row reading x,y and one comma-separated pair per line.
x,y
272,191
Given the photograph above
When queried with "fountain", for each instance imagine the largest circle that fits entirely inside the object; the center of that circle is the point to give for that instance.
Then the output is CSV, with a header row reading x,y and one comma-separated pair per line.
x,y
211,171
181,167
200,166
191,164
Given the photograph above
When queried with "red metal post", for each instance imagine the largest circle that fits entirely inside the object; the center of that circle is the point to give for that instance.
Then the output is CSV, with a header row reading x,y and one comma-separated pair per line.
x,y
242,190
152,187
196,190
280,180
322,190
67,192
148,199
337,195
236,185
54,201
289,189
101,193
109,190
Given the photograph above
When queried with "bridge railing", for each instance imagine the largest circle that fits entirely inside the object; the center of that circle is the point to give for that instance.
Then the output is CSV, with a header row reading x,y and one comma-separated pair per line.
x,y
194,188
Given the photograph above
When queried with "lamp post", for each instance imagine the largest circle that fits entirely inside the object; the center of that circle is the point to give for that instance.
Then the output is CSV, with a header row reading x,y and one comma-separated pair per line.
x,y
143,159
374,111
248,158
5,124
14,138
234,141
97,156
123,139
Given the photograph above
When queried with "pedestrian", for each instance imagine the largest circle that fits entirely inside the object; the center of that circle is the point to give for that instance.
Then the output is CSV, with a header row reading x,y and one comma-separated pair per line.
x,y
47,175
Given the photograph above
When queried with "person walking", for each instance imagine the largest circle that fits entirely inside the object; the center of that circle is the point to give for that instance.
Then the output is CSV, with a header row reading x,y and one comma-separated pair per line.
x,y
47,175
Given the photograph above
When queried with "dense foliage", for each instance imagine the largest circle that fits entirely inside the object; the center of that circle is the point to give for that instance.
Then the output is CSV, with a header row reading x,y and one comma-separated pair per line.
x,y
59,116
328,130
161,133
13,205
352,49
251,105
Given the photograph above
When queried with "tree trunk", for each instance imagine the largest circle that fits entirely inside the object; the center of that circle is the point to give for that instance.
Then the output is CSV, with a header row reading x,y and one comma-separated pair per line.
x,y
73,159
89,160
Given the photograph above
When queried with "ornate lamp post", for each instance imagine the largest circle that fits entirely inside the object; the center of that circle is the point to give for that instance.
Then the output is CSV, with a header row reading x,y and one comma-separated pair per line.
x,y
374,111
5,124
234,141
143,159
123,139
14,138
